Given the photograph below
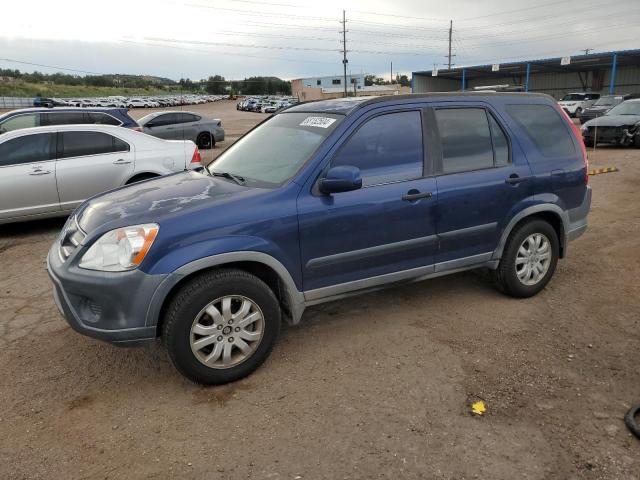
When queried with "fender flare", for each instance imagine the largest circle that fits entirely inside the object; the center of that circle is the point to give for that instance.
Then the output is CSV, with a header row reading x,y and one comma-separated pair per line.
x,y
295,298
527,212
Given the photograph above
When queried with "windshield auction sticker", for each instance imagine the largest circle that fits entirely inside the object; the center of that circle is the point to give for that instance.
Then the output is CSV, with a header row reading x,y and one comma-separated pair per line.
x,y
320,122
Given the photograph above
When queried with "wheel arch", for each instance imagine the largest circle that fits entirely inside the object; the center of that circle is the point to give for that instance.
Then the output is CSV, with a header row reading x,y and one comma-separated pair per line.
x,y
550,213
263,266
142,176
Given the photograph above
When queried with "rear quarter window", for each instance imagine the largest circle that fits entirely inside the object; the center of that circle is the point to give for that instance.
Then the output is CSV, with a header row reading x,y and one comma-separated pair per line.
x,y
545,128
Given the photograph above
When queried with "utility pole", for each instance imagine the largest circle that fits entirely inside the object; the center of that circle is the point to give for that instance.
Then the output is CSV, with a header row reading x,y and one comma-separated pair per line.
x,y
344,49
450,38
391,73
587,50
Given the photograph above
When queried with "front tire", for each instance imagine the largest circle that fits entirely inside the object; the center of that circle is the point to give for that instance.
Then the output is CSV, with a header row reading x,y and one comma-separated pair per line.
x,y
221,326
529,259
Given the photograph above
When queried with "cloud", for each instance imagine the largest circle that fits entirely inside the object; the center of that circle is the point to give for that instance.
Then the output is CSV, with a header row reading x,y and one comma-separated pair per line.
x,y
290,38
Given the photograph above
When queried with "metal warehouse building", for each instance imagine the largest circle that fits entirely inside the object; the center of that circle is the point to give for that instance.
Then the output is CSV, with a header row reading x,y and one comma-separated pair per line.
x,y
605,73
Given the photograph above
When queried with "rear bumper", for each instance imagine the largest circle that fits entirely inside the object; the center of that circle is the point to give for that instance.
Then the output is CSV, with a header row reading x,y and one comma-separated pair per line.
x,y
111,307
578,217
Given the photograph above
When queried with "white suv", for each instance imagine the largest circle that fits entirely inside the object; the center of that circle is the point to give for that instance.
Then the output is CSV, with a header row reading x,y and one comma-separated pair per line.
x,y
575,103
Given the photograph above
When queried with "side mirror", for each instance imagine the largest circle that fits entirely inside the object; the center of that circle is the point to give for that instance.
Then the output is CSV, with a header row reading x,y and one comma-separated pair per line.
x,y
341,179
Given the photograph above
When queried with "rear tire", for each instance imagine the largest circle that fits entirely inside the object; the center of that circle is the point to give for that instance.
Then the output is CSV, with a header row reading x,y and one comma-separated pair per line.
x,y
527,266
205,141
636,140
588,142
198,329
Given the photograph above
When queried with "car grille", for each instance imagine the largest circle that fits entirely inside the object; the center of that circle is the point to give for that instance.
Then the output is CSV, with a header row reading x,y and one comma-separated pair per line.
x,y
607,133
71,237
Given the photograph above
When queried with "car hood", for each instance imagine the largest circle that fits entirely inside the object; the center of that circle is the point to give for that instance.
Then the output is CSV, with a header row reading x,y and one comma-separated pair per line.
x,y
613,121
598,109
152,200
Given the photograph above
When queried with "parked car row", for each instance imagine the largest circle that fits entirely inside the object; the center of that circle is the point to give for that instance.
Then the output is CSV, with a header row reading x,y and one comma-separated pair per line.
x,y
169,125
128,102
49,171
265,104
619,125
575,103
51,159
603,105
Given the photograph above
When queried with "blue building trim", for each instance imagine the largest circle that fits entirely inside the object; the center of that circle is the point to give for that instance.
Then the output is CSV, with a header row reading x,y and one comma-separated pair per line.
x,y
614,67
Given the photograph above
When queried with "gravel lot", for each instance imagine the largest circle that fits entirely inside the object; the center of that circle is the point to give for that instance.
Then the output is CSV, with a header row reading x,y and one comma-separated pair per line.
x,y
376,386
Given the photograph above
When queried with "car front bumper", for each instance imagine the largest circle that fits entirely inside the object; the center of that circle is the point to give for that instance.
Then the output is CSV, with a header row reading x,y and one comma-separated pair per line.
x,y
108,306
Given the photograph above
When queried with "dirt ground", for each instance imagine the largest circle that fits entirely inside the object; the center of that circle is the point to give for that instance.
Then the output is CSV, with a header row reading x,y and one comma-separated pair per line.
x,y
376,386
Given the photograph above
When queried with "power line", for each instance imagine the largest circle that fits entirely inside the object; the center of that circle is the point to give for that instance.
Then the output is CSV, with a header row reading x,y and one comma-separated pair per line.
x,y
239,45
507,12
260,14
223,52
51,66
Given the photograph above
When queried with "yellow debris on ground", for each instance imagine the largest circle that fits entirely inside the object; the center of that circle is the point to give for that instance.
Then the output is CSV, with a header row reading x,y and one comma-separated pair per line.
x,y
598,171
478,408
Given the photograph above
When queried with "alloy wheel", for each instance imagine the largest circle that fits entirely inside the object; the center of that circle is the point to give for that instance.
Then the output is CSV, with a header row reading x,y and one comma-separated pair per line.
x,y
533,259
227,331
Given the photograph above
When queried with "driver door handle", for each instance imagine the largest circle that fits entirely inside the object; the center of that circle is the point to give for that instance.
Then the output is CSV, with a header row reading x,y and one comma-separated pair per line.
x,y
516,179
40,172
122,161
413,195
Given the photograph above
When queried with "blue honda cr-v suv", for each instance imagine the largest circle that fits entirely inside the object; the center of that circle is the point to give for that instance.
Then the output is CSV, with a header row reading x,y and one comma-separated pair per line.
x,y
323,200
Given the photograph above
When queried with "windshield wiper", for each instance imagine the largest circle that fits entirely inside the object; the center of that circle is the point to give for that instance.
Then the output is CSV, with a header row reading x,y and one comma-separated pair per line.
x,y
236,178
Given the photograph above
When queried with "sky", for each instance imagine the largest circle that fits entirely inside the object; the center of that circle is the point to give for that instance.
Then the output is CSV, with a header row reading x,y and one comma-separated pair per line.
x,y
300,38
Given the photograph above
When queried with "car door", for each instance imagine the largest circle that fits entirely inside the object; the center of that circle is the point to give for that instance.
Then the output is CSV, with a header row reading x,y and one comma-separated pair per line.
x,y
28,176
89,163
162,126
187,127
385,227
481,176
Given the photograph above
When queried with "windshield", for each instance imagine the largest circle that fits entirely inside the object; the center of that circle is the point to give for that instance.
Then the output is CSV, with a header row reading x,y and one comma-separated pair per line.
x,y
625,108
573,96
273,152
607,101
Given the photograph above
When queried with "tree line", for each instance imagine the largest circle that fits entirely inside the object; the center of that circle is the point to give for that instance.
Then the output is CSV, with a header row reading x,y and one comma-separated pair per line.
x,y
215,85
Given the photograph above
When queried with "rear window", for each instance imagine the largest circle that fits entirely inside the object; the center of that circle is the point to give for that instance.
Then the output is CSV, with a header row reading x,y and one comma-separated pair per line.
x,y
77,144
545,128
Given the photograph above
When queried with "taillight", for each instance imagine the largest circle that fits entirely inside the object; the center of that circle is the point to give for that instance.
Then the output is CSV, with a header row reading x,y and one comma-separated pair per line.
x,y
196,158
137,129
583,148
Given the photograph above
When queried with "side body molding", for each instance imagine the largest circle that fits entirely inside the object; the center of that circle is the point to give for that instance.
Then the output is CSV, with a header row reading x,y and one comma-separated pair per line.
x,y
295,299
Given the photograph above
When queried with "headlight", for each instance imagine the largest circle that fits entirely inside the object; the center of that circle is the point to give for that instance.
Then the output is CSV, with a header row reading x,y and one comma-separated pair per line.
x,y
120,249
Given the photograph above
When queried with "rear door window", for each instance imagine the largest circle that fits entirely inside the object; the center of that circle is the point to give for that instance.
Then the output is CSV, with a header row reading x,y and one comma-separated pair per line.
x,y
387,148
186,118
545,128
63,118
465,138
78,144
27,149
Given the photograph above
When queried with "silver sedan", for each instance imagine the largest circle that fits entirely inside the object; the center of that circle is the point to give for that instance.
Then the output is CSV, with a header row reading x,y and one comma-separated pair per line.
x,y
204,132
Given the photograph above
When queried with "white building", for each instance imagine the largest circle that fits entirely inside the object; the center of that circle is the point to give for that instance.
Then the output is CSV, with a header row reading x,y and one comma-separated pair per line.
x,y
335,81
